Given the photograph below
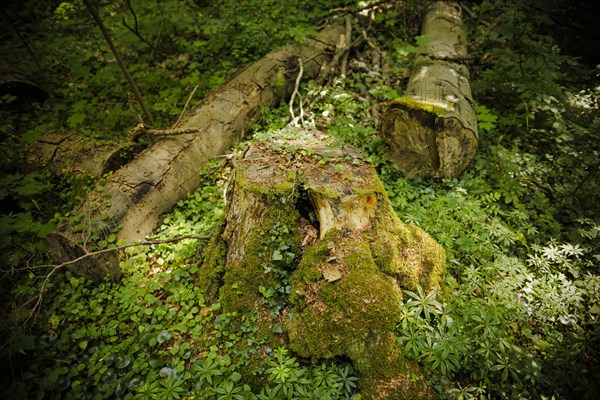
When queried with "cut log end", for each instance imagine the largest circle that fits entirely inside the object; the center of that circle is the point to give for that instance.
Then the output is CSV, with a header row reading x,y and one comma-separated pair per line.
x,y
427,140
432,132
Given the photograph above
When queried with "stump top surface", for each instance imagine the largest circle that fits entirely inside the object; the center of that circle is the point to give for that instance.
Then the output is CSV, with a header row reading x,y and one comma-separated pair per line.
x,y
313,159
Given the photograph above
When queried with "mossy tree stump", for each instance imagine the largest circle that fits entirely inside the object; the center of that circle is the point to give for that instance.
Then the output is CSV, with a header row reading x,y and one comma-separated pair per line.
x,y
312,245
432,130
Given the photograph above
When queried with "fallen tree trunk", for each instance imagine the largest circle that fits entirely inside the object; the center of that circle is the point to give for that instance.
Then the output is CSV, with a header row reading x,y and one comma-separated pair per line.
x,y
312,245
13,82
132,200
432,131
70,154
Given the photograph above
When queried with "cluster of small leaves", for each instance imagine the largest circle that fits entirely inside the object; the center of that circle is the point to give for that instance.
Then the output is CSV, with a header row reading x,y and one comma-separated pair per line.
x,y
196,214
215,377
99,342
341,110
545,106
519,301
282,264
505,330
103,341
288,380
32,205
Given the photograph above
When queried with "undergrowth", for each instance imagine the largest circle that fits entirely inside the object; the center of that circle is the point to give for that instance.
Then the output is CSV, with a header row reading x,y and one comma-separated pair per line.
x,y
517,316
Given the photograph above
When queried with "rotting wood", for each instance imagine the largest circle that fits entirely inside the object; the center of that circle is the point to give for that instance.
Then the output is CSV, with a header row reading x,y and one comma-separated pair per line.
x,y
432,130
133,200
306,207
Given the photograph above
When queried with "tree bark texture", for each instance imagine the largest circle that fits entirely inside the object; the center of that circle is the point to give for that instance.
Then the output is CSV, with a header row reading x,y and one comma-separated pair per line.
x,y
309,219
70,154
432,130
132,200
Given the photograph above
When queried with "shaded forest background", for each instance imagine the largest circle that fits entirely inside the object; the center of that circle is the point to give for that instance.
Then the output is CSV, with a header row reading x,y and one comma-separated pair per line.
x,y
518,314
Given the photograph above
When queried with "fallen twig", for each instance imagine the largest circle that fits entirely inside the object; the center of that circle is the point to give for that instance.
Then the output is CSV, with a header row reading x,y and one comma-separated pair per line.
x,y
294,121
187,103
141,129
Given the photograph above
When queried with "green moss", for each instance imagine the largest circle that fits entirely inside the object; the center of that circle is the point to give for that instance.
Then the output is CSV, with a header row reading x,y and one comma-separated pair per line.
x,y
280,85
384,360
326,191
285,188
242,281
411,103
240,179
407,383
347,317
210,275
406,252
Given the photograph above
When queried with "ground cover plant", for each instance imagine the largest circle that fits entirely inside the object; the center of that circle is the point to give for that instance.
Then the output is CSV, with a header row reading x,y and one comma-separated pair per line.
x,y
517,316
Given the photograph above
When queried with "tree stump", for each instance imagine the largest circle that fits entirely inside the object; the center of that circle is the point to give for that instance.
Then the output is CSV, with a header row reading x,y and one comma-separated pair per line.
x,y
432,130
309,223
133,200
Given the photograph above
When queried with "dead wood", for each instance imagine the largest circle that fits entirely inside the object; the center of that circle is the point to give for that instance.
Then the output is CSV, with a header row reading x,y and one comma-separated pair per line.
x,y
70,154
432,130
133,200
310,213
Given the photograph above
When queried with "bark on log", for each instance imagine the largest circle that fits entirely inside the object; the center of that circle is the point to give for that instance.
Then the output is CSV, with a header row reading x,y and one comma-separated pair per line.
x,y
311,212
432,131
133,199
70,154
13,82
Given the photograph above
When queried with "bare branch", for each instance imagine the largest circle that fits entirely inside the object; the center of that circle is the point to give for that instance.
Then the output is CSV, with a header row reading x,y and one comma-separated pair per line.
x,y
39,296
348,34
294,121
141,129
119,60
187,103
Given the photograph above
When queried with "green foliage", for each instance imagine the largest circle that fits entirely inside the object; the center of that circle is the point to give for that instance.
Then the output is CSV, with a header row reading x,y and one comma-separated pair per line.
x,y
32,203
169,48
486,121
287,379
517,317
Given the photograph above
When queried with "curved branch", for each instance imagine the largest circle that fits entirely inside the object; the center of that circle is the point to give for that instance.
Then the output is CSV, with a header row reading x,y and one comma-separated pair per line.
x,y
39,296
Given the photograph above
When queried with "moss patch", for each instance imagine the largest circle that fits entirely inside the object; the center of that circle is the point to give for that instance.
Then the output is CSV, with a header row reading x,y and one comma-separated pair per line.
x,y
411,103
348,317
406,252
210,275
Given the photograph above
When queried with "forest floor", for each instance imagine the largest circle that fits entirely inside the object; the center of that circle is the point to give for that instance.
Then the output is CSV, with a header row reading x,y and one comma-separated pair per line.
x,y
517,315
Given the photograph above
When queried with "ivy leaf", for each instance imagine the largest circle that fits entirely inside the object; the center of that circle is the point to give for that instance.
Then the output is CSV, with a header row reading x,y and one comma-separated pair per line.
x,y
277,256
75,120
